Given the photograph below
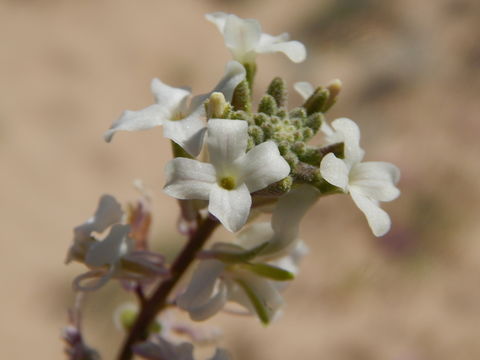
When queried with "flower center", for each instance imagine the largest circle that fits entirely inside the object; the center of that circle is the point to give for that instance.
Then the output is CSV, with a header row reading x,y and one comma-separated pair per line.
x,y
228,182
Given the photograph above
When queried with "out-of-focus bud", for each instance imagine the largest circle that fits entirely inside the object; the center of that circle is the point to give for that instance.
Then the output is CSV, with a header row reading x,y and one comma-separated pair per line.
x,y
334,89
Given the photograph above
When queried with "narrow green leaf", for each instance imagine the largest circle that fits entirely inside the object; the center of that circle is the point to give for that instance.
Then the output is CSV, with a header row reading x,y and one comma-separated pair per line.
x,y
269,271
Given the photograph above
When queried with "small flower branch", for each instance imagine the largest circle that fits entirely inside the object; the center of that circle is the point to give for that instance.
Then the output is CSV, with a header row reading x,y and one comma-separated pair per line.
x,y
158,300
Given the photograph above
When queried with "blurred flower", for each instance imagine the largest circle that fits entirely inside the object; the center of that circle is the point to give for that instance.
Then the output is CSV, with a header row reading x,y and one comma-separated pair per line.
x,y
161,349
244,39
115,255
232,175
252,270
182,123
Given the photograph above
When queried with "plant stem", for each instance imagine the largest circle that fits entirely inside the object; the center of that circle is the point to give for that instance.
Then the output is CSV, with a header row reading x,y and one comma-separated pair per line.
x,y
158,300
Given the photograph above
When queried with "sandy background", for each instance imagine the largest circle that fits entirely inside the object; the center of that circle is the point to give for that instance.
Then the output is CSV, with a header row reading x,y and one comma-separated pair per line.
x,y
411,74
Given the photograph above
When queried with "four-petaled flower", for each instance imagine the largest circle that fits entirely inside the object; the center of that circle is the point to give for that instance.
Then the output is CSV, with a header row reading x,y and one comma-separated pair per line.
x,y
161,349
231,175
368,183
115,255
244,38
182,123
253,270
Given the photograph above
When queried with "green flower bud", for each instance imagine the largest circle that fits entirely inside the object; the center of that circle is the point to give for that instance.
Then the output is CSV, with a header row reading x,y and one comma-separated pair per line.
x,y
278,90
268,105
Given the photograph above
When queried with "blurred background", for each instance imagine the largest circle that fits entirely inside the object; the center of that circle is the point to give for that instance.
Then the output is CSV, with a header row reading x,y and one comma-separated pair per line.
x,y
411,75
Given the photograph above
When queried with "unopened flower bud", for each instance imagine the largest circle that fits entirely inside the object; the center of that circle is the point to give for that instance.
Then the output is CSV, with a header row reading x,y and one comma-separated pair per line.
x,y
334,88
216,106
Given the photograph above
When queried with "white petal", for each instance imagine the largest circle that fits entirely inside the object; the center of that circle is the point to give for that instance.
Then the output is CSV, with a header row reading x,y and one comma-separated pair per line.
x,y
144,119
349,133
376,180
304,88
334,171
188,132
189,179
264,291
200,312
202,284
377,218
226,140
108,212
292,207
234,74
242,37
161,349
255,235
218,18
230,207
220,354
111,249
287,215
100,277
294,50
169,97
262,166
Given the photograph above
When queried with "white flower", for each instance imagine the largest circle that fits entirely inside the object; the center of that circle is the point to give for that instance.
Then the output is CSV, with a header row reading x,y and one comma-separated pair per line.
x,y
161,349
368,183
181,122
113,256
232,174
244,38
252,271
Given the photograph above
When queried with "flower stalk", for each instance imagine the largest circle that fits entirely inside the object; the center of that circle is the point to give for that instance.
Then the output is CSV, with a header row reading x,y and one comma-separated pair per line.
x,y
158,300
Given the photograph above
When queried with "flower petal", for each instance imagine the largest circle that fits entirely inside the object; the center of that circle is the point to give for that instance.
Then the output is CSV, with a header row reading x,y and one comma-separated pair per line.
x,y
100,277
234,75
304,88
262,294
189,179
334,171
262,166
294,50
202,284
108,212
376,180
230,207
220,354
218,18
171,98
200,312
227,141
348,132
144,119
242,37
292,207
377,218
188,132
111,249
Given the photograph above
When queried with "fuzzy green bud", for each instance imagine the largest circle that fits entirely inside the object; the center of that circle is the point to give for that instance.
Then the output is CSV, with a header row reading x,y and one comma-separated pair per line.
x,y
314,121
256,133
278,90
316,102
241,97
268,105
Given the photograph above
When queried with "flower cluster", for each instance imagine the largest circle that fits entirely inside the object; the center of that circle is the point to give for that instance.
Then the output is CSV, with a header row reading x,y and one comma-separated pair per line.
x,y
229,164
